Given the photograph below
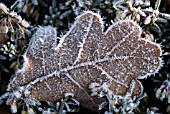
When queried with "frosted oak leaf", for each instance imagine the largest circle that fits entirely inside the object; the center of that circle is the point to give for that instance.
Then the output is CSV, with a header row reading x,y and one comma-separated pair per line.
x,y
85,55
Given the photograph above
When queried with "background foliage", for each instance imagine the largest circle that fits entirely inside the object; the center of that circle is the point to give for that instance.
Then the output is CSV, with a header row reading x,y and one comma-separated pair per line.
x,y
15,35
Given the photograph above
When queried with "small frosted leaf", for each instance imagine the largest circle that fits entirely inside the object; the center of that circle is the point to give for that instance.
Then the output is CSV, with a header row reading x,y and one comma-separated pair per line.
x,y
84,56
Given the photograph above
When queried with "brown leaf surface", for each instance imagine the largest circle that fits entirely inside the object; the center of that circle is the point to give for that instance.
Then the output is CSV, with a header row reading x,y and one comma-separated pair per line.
x,y
86,55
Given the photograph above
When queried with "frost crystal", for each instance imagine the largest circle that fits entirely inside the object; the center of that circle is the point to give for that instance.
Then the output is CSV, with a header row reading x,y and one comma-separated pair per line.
x,y
85,55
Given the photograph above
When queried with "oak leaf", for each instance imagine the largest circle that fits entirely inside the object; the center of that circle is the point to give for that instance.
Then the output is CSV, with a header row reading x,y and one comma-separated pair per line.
x,y
85,55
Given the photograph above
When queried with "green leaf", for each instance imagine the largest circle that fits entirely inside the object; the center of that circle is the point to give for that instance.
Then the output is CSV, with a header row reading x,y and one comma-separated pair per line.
x,y
102,105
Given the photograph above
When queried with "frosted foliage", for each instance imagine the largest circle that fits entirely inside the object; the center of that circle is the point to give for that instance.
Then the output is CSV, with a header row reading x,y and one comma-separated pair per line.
x,y
87,55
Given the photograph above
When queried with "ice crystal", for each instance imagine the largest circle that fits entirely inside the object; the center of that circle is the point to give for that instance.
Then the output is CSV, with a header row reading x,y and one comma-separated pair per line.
x,y
164,90
116,59
153,110
116,103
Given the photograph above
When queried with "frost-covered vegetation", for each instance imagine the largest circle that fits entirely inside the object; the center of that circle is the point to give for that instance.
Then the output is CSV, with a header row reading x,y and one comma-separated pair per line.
x,y
20,19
